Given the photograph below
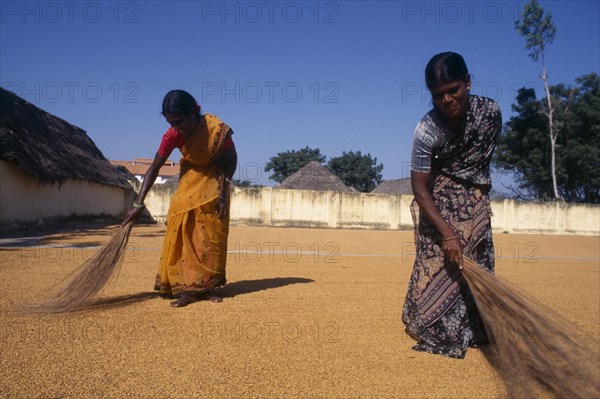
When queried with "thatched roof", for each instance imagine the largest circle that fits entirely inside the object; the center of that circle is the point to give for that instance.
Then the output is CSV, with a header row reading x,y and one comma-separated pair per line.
x,y
398,186
49,148
314,176
128,175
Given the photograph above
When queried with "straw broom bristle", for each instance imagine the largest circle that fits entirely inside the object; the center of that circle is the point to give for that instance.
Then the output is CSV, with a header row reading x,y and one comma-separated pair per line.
x,y
89,278
531,345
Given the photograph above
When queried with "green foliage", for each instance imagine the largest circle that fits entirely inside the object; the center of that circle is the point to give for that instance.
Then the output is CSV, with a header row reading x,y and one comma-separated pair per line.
x,y
244,183
353,168
357,170
579,139
287,163
524,145
537,29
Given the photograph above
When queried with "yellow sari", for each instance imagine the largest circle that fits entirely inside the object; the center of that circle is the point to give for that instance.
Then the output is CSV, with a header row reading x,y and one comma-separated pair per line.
x,y
195,247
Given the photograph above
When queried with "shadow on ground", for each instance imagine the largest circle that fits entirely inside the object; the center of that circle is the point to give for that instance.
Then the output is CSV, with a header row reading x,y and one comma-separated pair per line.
x,y
228,291
249,286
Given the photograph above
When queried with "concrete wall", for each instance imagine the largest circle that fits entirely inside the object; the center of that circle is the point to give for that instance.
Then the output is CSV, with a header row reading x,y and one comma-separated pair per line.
x,y
546,217
305,208
328,209
23,200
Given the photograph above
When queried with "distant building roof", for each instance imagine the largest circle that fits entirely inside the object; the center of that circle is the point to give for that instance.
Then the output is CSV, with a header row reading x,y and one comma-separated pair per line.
x,y
139,167
50,149
314,176
397,186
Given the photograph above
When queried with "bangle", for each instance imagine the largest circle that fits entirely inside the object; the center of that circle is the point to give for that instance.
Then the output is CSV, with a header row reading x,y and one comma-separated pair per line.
x,y
450,239
138,205
228,180
222,196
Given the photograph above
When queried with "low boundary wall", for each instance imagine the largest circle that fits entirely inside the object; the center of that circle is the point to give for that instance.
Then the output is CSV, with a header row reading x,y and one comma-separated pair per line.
x,y
328,209
24,201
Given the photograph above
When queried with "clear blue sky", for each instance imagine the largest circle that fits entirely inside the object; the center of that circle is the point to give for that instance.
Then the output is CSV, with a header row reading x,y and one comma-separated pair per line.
x,y
334,75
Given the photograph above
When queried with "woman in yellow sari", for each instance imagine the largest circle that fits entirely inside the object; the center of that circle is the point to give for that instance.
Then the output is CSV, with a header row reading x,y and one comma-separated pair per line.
x,y
194,251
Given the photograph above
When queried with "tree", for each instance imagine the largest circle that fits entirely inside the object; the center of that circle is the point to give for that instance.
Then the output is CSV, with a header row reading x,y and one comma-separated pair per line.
x,y
357,170
579,139
244,183
523,147
539,31
287,163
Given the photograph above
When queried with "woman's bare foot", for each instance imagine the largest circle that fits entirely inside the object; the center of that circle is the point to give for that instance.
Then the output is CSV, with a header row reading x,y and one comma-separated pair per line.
x,y
212,297
185,300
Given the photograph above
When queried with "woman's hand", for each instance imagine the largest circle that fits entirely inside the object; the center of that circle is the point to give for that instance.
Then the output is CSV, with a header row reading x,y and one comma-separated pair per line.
x,y
149,178
222,206
453,250
451,244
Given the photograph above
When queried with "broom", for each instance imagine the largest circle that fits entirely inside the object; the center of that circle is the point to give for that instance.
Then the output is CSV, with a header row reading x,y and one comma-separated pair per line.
x,y
531,345
89,278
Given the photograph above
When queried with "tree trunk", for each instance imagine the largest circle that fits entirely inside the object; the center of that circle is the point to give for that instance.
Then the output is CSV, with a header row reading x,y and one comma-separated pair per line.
x,y
550,129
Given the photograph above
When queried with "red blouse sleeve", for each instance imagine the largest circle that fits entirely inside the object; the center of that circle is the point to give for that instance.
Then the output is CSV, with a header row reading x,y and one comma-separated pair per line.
x,y
170,140
228,145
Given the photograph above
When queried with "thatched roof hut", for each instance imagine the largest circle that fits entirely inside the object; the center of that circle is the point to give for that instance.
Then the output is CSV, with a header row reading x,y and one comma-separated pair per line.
x,y
50,149
397,186
314,176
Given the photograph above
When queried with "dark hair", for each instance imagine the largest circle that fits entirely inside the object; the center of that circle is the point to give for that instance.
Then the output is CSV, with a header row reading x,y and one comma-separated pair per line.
x,y
445,67
179,102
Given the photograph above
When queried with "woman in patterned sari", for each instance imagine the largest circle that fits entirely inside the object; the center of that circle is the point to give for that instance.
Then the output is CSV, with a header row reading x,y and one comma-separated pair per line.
x,y
450,176
194,251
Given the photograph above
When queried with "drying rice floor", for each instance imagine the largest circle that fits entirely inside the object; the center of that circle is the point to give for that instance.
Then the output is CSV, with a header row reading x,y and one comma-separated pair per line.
x,y
307,313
